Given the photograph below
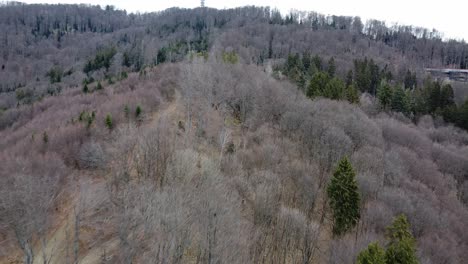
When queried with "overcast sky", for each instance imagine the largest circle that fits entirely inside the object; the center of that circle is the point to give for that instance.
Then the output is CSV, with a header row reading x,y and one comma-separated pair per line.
x,y
449,16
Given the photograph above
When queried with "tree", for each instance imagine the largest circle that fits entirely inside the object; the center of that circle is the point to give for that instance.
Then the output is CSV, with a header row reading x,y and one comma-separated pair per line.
x,y
45,137
109,123
317,62
352,94
446,96
400,102
85,88
331,67
317,84
334,89
138,112
344,197
402,245
349,78
373,254
384,94
99,86
410,80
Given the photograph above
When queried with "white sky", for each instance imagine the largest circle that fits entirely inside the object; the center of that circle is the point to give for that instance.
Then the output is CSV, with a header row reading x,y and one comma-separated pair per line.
x,y
448,16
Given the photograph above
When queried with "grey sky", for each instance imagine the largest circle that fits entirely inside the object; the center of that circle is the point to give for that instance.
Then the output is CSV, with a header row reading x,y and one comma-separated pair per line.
x,y
449,16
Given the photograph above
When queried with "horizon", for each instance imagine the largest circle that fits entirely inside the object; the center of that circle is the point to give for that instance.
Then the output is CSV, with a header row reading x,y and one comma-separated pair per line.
x,y
398,12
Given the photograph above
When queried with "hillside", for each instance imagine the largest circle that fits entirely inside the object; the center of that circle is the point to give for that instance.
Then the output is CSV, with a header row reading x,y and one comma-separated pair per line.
x,y
215,136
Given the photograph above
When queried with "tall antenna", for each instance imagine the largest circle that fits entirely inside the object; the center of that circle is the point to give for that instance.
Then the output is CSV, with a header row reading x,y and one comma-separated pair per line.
x,y
202,3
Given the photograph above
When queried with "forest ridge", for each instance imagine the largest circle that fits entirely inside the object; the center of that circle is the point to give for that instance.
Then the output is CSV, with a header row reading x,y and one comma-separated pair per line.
x,y
228,136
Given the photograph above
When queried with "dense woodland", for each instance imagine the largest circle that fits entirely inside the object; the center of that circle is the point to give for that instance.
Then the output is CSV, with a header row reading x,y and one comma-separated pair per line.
x,y
228,136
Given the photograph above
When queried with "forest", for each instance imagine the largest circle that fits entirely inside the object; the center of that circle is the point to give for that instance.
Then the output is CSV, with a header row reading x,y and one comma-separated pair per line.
x,y
228,136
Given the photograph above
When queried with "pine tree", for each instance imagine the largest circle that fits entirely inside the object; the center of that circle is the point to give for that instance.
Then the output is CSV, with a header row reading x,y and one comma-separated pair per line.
x,y
109,123
99,86
344,197
331,67
349,78
352,94
334,89
446,96
400,102
373,254
317,61
317,84
384,94
45,137
85,88
402,245
138,111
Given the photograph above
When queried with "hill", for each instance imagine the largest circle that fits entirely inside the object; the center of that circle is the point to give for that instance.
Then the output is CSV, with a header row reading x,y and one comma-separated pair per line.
x,y
213,136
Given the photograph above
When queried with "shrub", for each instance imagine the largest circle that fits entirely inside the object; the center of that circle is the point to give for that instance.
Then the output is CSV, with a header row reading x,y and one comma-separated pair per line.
x,y
91,156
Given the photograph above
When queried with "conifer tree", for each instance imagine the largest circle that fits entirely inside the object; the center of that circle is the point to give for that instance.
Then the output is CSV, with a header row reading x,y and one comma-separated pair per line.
x,y
45,137
373,254
109,123
402,245
344,197
349,78
99,86
400,101
331,67
334,89
352,94
317,84
138,112
85,88
384,94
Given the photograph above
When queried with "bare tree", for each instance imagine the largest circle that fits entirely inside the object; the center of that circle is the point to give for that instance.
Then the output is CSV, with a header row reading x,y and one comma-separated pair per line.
x,y
28,197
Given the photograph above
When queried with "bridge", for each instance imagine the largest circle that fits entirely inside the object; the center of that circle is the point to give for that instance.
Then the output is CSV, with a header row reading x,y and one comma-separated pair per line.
x,y
449,74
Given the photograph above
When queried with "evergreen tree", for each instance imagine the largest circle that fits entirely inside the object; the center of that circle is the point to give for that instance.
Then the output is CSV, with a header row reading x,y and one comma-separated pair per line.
x,y
373,254
402,245
82,116
344,197
90,119
374,77
85,88
334,89
109,123
45,137
99,86
410,80
434,94
349,78
352,94
317,84
306,61
90,122
138,112
384,94
400,101
362,76
331,67
446,96
317,61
